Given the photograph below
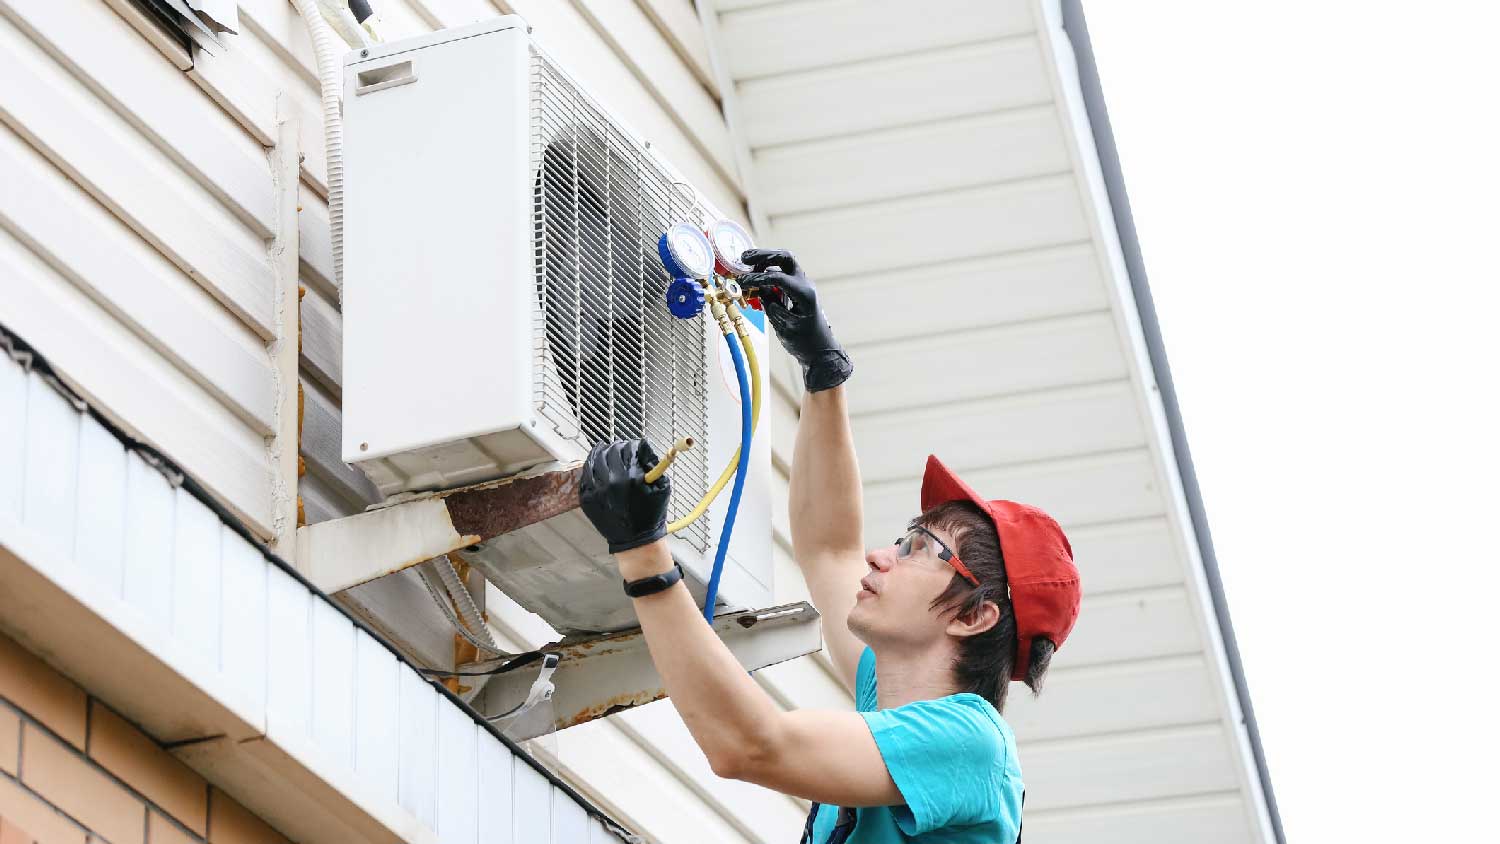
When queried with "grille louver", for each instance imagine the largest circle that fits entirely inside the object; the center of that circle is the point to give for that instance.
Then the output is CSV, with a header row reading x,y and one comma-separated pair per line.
x,y
611,361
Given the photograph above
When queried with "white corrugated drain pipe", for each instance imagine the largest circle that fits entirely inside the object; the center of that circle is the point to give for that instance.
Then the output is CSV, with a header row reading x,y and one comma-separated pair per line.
x,y
327,50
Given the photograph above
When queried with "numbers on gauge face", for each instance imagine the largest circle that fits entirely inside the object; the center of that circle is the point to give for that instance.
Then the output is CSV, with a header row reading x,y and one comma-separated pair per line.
x,y
730,241
686,252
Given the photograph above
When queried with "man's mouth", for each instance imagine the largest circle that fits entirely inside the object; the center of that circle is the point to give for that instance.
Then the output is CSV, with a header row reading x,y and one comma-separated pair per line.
x,y
866,587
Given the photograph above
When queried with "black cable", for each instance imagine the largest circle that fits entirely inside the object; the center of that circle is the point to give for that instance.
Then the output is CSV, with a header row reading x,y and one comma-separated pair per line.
x,y
518,662
360,9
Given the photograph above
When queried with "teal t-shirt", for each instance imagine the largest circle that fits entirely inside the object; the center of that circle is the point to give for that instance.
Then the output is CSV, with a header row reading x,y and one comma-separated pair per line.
x,y
954,760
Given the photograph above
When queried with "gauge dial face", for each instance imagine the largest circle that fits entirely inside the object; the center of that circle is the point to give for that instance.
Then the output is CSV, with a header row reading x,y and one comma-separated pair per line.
x,y
730,241
690,250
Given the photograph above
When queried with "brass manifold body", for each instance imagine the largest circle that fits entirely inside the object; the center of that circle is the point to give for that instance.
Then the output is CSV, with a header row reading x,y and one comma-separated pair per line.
x,y
724,300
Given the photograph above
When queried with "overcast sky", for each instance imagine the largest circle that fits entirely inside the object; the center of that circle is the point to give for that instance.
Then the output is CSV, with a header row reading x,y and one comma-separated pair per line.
x,y
1315,187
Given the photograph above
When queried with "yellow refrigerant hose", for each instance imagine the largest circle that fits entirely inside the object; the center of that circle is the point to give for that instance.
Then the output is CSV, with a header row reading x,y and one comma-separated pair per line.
x,y
741,328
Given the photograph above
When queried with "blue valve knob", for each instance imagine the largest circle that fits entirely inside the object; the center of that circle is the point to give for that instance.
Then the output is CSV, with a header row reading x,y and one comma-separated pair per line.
x,y
685,298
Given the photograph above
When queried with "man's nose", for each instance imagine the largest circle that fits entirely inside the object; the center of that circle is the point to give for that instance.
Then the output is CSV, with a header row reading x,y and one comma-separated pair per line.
x,y
881,559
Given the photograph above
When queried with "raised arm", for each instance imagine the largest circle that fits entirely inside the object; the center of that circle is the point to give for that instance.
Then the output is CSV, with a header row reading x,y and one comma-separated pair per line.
x,y
827,508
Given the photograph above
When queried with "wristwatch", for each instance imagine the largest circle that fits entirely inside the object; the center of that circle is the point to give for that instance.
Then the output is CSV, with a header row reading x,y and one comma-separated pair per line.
x,y
653,584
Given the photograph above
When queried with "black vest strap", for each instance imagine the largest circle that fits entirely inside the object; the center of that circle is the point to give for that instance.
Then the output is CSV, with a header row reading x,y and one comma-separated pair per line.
x,y
842,828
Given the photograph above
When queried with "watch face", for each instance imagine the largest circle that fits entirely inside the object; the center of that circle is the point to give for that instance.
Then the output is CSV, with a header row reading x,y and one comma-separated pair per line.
x,y
730,242
690,250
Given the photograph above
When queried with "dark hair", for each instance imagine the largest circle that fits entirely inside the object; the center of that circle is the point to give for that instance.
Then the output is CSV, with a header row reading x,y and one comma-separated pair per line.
x,y
985,660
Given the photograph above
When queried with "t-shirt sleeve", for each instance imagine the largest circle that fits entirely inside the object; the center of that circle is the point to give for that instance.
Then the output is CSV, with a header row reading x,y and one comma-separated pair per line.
x,y
865,699
947,758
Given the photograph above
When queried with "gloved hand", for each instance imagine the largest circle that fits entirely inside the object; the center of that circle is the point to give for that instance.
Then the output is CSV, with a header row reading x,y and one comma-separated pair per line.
x,y
800,324
614,494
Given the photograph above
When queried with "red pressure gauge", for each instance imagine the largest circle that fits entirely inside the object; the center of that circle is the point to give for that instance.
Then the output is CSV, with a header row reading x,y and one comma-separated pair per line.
x,y
730,241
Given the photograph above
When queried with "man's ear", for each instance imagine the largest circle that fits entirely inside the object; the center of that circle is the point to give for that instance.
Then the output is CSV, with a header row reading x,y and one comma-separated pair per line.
x,y
982,619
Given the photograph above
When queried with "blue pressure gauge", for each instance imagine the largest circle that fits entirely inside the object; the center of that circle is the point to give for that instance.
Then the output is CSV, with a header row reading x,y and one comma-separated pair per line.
x,y
686,252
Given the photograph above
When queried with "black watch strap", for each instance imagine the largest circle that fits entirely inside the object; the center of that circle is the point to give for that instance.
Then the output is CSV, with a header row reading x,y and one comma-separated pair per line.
x,y
653,584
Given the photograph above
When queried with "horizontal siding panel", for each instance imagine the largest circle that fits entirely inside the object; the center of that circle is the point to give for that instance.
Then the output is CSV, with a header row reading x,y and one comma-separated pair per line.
x,y
128,73
1114,698
322,342
1015,429
585,55
1106,488
944,155
315,244
764,815
973,223
812,35
110,160
921,372
1222,819
1126,555
230,79
963,295
1136,766
322,445
1131,625
899,91
135,283
679,24
134,387
644,49
267,27
613,769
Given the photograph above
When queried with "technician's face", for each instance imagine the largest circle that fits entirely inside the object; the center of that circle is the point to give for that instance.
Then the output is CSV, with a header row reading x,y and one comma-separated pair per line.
x,y
894,603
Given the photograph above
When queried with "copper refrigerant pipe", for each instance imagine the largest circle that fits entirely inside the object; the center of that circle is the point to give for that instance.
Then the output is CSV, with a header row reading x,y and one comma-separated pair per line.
x,y
666,461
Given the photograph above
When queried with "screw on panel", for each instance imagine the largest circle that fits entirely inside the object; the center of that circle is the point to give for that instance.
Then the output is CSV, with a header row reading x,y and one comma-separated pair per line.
x,y
364,53
364,446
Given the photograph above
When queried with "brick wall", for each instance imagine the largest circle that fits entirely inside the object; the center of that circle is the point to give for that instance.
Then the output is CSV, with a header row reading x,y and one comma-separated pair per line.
x,y
72,771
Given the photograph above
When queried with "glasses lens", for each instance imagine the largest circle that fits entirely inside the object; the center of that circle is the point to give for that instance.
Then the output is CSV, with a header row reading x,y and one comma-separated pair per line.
x,y
914,544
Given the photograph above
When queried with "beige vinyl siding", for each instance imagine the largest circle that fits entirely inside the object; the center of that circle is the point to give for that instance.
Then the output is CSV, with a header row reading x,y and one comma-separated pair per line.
x,y
135,235
925,163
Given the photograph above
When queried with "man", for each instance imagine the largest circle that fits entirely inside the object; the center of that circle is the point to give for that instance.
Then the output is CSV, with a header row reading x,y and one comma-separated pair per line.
x,y
927,632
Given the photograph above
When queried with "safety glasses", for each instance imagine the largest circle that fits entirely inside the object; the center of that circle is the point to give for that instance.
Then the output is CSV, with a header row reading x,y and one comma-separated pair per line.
x,y
919,540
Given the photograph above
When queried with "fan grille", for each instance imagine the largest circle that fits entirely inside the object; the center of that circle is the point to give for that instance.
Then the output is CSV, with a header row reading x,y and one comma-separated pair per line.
x,y
611,362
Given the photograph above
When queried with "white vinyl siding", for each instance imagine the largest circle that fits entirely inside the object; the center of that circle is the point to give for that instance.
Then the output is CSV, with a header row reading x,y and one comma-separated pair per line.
x,y
922,163
290,664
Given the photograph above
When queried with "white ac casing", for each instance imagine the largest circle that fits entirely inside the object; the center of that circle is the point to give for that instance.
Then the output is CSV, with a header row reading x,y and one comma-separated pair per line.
x,y
485,316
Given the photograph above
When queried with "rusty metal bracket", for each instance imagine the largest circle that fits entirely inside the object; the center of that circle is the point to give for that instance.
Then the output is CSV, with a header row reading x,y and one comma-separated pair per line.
x,y
341,553
598,675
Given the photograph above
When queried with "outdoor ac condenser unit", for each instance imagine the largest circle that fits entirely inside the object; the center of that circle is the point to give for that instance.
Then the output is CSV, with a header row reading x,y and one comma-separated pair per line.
x,y
504,307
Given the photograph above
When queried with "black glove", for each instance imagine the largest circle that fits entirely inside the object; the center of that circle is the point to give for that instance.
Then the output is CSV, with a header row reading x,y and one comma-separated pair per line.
x,y
800,323
615,496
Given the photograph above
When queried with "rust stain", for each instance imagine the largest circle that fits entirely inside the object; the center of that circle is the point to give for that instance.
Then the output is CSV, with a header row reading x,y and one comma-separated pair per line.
x,y
610,706
492,510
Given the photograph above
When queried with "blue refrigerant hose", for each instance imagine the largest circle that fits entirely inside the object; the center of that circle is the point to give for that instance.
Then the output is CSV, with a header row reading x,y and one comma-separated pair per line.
x,y
743,377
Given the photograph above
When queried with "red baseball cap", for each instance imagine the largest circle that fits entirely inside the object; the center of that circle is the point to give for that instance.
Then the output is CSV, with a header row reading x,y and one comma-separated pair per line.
x,y
1044,587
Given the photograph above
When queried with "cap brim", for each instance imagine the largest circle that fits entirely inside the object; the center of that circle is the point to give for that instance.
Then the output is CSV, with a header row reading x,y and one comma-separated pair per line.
x,y
940,485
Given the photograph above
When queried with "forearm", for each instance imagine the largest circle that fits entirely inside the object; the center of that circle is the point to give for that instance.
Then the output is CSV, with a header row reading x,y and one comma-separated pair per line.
x,y
825,501
727,713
